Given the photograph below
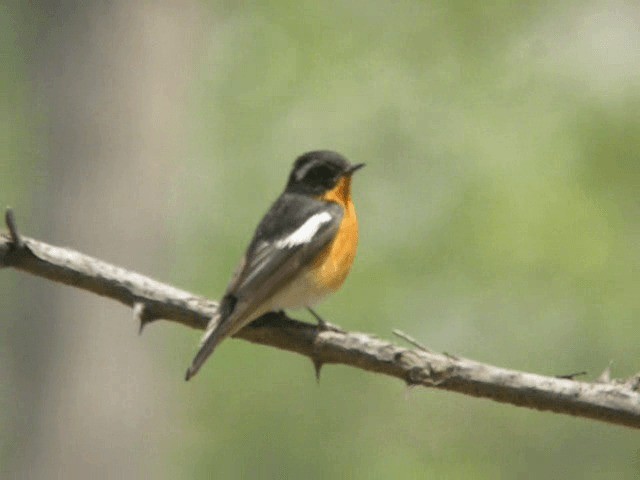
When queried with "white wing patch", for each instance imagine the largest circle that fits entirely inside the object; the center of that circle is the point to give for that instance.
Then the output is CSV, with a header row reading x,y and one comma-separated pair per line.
x,y
306,232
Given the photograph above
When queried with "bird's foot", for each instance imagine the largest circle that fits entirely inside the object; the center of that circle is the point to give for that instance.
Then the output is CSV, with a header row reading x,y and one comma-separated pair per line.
x,y
323,325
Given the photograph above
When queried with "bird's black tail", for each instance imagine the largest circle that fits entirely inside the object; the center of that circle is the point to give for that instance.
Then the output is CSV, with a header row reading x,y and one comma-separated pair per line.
x,y
218,329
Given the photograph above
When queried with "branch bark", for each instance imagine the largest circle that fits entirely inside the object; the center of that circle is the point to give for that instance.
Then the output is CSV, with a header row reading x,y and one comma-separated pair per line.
x,y
613,401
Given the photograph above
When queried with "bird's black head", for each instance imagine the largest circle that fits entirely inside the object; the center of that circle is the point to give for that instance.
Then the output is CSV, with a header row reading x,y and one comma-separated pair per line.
x,y
317,172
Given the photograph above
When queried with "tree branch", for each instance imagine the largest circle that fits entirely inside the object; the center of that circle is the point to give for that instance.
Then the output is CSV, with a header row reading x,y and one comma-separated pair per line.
x,y
613,401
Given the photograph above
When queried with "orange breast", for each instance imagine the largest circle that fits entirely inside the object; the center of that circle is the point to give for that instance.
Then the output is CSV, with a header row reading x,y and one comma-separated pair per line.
x,y
333,265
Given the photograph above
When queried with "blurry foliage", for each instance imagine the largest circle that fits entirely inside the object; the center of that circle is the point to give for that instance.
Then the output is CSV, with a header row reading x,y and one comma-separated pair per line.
x,y
500,220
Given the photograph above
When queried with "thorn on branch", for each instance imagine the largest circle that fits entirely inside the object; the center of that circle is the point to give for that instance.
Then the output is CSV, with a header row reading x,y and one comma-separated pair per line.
x,y
411,340
571,376
10,220
605,376
317,365
141,316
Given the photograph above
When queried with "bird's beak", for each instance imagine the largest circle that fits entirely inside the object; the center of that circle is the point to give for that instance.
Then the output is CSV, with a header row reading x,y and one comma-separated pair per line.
x,y
353,168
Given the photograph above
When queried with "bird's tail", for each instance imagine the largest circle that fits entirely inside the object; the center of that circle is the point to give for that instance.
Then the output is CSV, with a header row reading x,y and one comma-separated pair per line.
x,y
218,329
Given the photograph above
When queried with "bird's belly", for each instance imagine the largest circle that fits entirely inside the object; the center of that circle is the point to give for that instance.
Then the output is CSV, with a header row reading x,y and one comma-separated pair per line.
x,y
303,292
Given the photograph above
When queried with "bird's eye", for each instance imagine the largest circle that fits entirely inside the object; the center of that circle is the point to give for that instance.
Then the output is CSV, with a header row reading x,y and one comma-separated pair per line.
x,y
320,175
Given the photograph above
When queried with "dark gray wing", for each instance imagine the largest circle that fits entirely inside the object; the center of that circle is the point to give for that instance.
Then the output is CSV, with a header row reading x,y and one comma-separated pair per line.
x,y
290,235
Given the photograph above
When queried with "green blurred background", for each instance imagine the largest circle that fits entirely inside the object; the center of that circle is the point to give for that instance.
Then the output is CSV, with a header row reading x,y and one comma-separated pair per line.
x,y
500,220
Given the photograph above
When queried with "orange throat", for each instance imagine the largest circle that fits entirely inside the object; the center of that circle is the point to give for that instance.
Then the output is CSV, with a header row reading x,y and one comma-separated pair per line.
x,y
340,194
334,264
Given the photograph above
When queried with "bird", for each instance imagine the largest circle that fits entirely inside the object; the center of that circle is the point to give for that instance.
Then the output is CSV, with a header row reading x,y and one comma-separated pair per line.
x,y
302,250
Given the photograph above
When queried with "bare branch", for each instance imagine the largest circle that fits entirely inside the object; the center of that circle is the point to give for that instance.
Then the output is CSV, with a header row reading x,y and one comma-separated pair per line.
x,y
615,401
